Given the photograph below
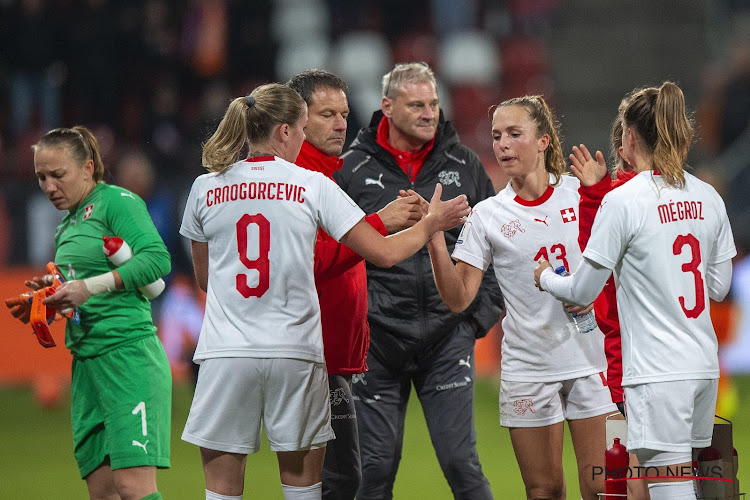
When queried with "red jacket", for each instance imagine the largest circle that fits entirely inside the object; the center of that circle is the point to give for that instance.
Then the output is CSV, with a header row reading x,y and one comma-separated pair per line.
x,y
605,305
341,280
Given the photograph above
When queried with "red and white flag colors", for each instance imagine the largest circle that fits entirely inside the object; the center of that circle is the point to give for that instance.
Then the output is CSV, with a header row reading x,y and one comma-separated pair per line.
x,y
568,214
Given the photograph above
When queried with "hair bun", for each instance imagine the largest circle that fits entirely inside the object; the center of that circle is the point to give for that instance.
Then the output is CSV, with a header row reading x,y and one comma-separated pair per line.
x,y
250,100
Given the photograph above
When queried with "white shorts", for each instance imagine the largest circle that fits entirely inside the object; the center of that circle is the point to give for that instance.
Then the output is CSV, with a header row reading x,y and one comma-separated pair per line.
x,y
233,396
536,404
671,416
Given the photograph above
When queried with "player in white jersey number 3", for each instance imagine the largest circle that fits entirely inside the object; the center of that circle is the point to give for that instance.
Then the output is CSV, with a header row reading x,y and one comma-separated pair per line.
x,y
666,236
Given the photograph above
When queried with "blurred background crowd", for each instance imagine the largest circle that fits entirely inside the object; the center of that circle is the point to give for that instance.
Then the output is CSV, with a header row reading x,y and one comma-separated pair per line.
x,y
152,78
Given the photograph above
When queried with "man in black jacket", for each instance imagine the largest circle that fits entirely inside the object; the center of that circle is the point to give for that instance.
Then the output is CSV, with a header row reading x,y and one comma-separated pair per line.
x,y
414,338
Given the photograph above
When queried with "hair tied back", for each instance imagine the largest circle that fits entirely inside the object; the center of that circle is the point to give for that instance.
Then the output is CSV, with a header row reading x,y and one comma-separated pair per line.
x,y
250,100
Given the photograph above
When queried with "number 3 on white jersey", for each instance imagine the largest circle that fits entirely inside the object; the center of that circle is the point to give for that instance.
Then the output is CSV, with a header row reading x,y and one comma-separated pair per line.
x,y
262,263
691,267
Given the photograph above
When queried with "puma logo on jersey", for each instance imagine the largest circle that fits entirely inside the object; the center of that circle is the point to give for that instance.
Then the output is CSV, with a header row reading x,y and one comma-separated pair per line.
x,y
130,195
337,396
377,181
136,443
446,178
520,406
542,221
465,362
511,228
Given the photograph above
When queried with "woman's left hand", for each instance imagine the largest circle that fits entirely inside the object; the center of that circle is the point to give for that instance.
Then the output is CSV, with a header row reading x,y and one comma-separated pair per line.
x,y
68,296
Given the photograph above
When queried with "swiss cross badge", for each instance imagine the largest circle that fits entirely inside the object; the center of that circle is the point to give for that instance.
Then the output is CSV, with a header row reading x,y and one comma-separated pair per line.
x,y
568,214
87,211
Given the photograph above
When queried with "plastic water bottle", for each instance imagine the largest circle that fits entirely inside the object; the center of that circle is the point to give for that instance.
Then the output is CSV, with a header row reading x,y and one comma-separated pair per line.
x,y
616,460
586,322
118,252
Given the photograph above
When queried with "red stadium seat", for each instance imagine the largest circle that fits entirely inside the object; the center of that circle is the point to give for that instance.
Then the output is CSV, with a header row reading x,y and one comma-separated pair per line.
x,y
526,67
471,115
416,46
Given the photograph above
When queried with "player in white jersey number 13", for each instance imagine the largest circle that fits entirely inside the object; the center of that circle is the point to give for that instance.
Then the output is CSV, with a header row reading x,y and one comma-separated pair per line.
x,y
253,226
550,372
667,237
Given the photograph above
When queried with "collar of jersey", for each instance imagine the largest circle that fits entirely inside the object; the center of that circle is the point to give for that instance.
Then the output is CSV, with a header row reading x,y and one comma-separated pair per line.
x,y
538,201
260,158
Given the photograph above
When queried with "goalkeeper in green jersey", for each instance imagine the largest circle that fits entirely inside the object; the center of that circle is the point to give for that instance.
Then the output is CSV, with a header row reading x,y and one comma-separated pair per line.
x,y
121,383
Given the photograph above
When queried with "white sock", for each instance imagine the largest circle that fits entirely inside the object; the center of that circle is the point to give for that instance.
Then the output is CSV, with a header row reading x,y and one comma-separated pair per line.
x,y
677,490
210,495
313,492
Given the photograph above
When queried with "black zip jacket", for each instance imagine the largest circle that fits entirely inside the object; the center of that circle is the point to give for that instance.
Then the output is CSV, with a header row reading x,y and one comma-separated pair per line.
x,y
406,312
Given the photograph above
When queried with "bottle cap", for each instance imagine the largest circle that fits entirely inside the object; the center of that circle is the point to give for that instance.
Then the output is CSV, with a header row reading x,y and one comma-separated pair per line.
x,y
709,454
111,245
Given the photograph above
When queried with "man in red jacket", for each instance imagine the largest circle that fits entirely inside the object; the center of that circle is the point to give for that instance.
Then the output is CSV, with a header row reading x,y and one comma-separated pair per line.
x,y
340,277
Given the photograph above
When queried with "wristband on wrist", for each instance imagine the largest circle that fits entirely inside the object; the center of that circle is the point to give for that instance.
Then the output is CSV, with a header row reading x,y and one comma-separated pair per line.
x,y
100,284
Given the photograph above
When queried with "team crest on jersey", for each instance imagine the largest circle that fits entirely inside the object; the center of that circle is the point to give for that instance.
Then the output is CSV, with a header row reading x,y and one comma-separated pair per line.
x,y
338,396
568,214
520,406
511,228
449,177
88,211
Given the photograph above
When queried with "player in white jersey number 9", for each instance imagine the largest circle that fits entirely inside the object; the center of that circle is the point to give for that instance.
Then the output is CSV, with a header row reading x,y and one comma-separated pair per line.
x,y
253,226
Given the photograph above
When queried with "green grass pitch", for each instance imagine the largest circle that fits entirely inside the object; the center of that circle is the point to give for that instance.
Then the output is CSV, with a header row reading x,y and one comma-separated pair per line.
x,y
37,455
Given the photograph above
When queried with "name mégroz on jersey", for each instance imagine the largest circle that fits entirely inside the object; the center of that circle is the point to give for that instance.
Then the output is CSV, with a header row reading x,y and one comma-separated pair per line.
x,y
680,210
255,191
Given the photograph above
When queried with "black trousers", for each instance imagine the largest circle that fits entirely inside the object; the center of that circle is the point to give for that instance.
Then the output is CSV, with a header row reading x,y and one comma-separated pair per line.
x,y
443,377
342,469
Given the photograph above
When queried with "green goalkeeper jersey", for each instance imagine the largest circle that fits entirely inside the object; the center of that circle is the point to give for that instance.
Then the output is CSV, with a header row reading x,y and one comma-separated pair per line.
x,y
112,318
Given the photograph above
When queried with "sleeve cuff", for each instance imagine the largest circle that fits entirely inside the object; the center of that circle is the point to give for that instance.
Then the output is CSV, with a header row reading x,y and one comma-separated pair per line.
x,y
375,221
598,190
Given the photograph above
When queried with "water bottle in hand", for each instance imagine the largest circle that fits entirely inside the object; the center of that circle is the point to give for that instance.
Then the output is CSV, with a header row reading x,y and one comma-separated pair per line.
x,y
585,322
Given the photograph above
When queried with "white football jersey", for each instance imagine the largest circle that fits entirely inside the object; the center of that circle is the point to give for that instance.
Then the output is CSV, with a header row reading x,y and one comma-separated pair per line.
x,y
540,342
260,219
659,241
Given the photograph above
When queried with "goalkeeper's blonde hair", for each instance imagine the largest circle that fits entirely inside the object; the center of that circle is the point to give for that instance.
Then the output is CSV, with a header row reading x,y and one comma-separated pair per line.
x,y
81,143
